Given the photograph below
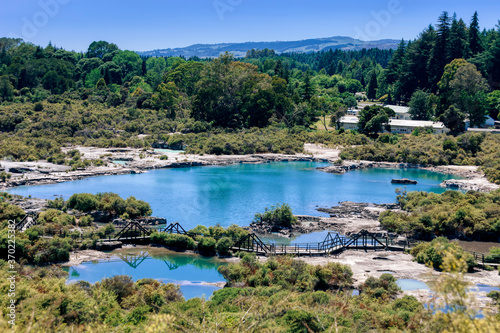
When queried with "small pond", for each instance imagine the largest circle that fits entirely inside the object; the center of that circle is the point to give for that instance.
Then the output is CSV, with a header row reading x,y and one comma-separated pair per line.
x,y
411,284
190,271
169,151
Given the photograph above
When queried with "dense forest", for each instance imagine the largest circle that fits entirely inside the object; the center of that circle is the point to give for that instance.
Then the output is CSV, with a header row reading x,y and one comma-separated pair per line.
x,y
263,88
265,102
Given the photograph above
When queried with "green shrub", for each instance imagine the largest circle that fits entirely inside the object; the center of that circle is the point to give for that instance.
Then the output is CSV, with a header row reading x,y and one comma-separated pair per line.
x,y
451,214
236,233
85,221
55,216
223,246
57,203
494,255
206,246
4,176
121,286
50,251
84,202
173,241
333,276
383,287
279,215
38,107
320,297
494,295
431,254
302,321
288,273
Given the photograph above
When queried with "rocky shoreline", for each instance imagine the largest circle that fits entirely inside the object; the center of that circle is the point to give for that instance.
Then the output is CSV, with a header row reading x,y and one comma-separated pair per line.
x,y
42,172
474,178
135,161
346,219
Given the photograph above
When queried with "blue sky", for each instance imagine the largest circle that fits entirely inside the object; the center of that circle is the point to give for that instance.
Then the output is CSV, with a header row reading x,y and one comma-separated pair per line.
x,y
153,24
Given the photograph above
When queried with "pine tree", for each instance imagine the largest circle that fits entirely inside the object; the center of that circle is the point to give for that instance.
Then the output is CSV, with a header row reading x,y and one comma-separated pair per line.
x,y
440,51
474,38
394,67
278,69
143,67
340,67
308,87
389,99
494,66
458,39
332,68
414,73
372,86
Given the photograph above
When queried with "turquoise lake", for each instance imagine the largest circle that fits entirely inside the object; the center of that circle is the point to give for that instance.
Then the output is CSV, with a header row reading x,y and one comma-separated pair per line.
x,y
233,194
225,195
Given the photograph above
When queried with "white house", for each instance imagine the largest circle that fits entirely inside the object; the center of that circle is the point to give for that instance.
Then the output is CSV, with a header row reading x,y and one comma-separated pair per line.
x,y
398,125
402,112
488,123
407,126
349,122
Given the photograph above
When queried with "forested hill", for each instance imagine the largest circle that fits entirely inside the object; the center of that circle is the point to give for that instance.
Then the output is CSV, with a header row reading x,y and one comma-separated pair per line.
x,y
301,46
108,97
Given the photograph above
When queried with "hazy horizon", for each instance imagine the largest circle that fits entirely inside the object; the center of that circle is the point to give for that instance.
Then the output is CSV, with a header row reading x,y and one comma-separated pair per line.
x,y
149,25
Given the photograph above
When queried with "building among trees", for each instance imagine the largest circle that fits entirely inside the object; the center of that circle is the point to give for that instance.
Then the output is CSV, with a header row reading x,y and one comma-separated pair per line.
x,y
398,125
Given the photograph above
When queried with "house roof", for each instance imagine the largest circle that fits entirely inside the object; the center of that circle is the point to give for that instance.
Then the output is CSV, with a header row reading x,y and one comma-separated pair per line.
x,y
416,123
349,120
399,122
398,109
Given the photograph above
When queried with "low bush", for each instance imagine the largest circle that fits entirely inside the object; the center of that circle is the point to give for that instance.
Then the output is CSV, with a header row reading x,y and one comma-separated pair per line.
x,y
173,241
111,203
279,215
223,246
451,214
206,246
288,273
432,254
383,287
50,251
494,255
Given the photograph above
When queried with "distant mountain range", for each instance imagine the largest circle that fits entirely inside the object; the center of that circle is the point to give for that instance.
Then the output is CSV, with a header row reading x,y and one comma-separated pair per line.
x,y
302,46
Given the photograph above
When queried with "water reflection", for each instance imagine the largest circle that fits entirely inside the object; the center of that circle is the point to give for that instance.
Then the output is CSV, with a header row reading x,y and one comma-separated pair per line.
x,y
192,272
133,260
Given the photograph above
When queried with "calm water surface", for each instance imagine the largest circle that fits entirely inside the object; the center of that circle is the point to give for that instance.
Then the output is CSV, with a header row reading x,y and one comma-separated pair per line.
x,y
233,194
187,270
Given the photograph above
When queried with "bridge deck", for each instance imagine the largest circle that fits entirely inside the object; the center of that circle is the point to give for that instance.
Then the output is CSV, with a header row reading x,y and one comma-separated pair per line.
x,y
333,243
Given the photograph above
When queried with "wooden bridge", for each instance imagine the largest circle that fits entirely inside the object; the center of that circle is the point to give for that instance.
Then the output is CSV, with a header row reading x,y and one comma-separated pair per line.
x,y
332,244
28,221
136,233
